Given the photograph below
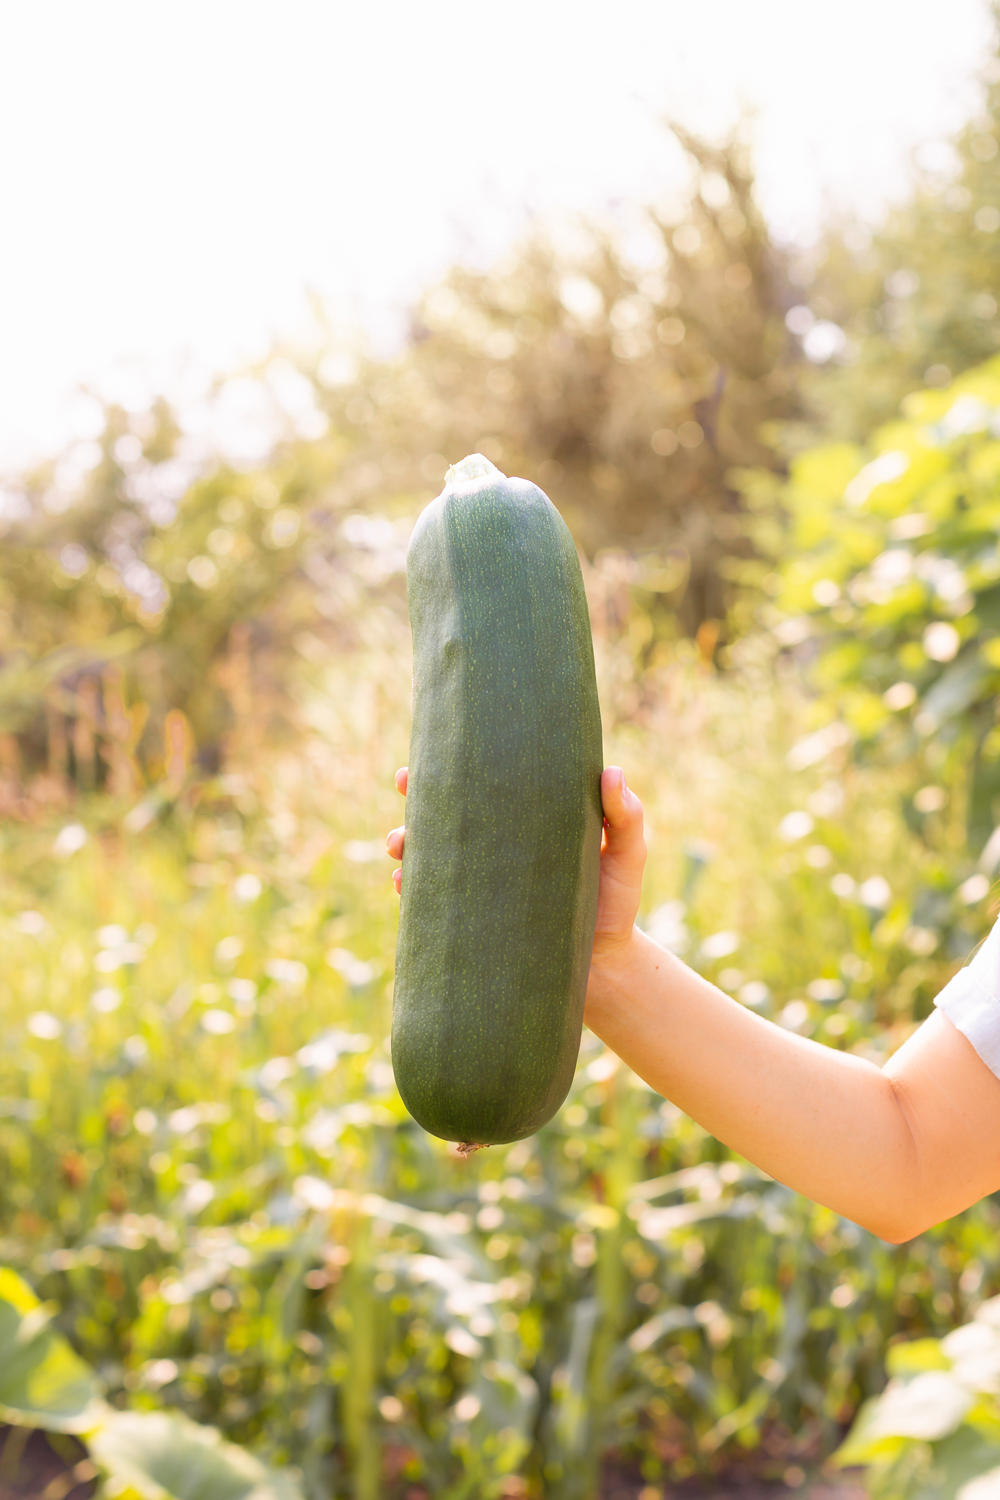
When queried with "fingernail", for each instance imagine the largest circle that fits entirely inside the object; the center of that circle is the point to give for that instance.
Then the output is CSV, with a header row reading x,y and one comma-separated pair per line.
x,y
621,778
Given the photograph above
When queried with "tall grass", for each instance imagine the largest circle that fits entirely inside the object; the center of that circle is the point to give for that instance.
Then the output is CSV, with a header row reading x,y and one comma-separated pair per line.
x,y
206,1166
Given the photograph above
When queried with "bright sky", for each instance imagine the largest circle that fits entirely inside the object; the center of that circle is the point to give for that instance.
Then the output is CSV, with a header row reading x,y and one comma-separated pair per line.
x,y
175,174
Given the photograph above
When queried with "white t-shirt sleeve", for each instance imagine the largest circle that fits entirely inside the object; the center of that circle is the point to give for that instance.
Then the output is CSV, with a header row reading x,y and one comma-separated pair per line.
x,y
971,1001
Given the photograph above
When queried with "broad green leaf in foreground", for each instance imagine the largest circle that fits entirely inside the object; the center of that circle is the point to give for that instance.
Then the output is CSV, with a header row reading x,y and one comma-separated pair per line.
x,y
165,1457
42,1382
983,1487
926,1408
937,1422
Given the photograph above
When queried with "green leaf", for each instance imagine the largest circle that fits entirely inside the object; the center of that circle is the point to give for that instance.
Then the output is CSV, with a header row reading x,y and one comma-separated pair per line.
x,y
823,473
168,1457
928,1407
863,1445
964,1456
985,1486
915,1357
42,1382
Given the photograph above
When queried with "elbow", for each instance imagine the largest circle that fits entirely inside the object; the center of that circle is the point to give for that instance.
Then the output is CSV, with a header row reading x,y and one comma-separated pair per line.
x,y
895,1233
905,1215
895,1227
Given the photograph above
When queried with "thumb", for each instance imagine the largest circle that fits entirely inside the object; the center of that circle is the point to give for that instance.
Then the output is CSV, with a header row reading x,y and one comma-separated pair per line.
x,y
622,818
622,859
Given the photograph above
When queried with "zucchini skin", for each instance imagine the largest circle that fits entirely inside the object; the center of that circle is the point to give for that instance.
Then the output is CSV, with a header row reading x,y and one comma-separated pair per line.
x,y
503,820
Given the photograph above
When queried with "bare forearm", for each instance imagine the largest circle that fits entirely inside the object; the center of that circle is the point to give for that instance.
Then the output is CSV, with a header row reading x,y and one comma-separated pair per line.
x,y
824,1122
896,1150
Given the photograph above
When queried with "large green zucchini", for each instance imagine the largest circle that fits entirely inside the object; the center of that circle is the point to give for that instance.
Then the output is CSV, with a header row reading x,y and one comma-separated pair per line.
x,y
503,813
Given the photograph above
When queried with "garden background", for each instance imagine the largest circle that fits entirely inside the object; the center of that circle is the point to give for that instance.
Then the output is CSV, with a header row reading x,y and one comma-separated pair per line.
x,y
782,468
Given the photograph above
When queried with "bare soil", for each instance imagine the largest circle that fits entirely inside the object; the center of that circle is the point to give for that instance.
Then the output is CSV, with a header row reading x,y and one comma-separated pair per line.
x,y
43,1466
46,1466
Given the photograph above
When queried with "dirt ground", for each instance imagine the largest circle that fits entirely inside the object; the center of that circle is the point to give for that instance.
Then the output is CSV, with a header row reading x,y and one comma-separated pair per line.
x,y
40,1466
848,1486
43,1466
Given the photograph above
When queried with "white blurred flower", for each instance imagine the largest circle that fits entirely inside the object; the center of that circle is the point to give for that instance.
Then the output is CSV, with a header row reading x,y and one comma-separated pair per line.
x,y
275,1071
818,857
69,840
666,926
469,1407
198,1196
973,889
920,940
755,994
364,851
795,825
218,1022
45,1026
112,936
321,1054
813,748
355,970
720,945
941,641
823,340
901,695
875,893
228,950
158,1373
243,993
825,990
826,592
247,887
287,971
314,1193
105,1000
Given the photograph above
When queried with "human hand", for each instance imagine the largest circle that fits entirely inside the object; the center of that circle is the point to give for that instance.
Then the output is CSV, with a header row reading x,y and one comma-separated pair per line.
x,y
623,854
396,837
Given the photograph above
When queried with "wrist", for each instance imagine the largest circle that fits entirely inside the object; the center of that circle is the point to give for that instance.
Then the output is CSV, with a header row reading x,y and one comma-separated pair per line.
x,y
613,956
612,949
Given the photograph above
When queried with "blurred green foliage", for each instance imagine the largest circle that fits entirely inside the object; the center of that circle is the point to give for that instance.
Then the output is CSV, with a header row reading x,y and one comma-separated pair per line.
x,y
625,371
144,1456
208,1170
204,672
892,577
935,1430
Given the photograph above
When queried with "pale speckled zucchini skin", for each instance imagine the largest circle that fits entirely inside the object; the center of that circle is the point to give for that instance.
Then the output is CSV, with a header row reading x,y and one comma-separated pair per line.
x,y
503,816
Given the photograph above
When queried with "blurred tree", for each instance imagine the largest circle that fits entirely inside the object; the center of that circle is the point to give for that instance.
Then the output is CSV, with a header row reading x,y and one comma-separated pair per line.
x,y
626,375
917,301
632,373
153,558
